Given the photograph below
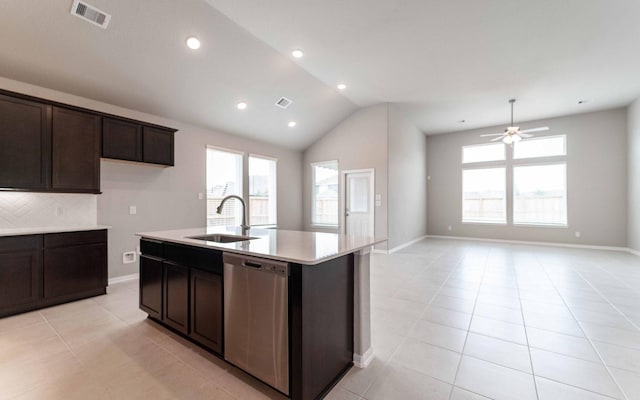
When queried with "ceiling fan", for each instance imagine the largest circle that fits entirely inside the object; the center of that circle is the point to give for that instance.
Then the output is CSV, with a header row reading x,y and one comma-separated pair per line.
x,y
513,134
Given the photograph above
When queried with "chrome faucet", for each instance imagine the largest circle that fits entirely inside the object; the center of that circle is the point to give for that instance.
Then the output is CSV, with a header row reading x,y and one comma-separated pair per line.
x,y
244,225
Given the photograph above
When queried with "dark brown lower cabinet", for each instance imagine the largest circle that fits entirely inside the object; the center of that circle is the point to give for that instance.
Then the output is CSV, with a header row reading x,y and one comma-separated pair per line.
x,y
206,309
151,286
20,271
37,271
321,306
181,287
75,264
176,297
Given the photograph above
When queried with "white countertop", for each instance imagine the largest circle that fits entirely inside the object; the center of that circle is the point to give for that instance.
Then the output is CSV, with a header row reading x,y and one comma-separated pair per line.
x,y
301,247
49,229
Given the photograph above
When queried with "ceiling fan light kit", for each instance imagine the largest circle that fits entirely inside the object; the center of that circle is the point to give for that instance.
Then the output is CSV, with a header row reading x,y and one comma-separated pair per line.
x,y
513,134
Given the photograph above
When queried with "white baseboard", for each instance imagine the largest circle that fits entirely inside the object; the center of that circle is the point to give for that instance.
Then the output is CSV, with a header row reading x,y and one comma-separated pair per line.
x,y
634,252
362,361
578,246
379,251
124,278
404,245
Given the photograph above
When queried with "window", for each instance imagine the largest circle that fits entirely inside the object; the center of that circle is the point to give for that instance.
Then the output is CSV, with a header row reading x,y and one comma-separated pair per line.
x,y
224,177
484,195
540,147
536,193
262,191
483,152
325,194
540,194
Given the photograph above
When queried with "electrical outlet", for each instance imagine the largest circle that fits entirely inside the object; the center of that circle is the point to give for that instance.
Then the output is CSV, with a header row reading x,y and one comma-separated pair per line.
x,y
200,196
129,257
58,211
449,227
133,210
577,234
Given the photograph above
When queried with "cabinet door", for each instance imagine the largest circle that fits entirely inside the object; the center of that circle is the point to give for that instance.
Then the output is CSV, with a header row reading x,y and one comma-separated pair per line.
x,y
20,271
121,140
25,144
74,270
206,309
176,297
151,286
157,146
75,150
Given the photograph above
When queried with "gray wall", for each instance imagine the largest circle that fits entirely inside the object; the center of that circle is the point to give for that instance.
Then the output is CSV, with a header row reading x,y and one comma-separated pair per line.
x,y
634,175
407,180
167,198
596,185
358,142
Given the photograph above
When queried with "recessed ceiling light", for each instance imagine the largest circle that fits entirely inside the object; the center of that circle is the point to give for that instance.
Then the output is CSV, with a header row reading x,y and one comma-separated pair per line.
x,y
297,53
462,121
193,43
242,105
341,86
291,124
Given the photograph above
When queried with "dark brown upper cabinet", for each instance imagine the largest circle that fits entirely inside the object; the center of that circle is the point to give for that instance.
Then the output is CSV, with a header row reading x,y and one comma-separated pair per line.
x,y
46,146
131,141
157,146
121,140
25,144
75,152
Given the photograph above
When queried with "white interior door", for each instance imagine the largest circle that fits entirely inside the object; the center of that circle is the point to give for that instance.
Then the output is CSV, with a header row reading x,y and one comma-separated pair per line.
x,y
358,203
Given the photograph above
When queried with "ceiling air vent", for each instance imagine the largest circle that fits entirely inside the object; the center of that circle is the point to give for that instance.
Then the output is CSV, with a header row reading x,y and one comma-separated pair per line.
x,y
283,102
91,14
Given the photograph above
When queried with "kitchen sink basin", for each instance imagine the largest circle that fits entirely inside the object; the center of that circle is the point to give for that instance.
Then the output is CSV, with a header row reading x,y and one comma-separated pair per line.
x,y
220,238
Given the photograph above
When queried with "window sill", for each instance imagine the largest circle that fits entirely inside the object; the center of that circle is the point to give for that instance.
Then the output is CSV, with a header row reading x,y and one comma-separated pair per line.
x,y
484,223
531,225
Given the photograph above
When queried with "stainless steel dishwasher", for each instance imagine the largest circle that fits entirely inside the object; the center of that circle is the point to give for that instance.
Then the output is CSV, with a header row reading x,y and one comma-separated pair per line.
x,y
256,318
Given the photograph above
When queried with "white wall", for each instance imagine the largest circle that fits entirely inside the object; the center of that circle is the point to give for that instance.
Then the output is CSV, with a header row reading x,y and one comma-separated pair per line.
x,y
407,180
167,198
597,182
358,142
633,146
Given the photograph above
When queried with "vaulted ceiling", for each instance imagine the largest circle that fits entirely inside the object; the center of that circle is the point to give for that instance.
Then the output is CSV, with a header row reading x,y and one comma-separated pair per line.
x,y
441,61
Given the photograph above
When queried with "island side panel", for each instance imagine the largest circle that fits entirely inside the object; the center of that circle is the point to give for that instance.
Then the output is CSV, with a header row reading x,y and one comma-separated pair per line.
x,y
321,325
363,351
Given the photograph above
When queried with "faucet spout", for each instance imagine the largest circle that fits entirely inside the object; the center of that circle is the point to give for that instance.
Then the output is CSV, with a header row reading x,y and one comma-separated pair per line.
x,y
244,225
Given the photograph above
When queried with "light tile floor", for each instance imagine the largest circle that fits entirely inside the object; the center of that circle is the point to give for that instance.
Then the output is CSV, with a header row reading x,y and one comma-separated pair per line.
x,y
451,320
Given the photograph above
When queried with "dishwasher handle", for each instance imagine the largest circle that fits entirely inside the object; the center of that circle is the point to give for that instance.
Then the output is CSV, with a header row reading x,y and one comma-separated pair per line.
x,y
251,264
257,264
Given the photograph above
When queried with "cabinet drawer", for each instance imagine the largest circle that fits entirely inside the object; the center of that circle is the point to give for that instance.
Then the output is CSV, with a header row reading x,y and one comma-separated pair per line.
x,y
151,247
208,260
16,243
74,238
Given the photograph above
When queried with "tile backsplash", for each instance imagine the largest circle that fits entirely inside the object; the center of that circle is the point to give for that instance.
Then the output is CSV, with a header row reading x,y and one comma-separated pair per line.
x,y
31,210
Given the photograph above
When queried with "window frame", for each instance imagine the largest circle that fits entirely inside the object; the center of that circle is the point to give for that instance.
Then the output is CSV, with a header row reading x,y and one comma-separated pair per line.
x,y
509,164
313,195
506,195
566,191
244,182
275,187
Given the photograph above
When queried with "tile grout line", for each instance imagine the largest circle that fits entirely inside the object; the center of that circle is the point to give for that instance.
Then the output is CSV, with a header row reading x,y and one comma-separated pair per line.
x,y
526,335
466,338
404,339
582,329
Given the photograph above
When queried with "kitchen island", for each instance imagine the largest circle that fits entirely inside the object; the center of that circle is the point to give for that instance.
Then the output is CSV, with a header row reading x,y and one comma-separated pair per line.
x,y
188,284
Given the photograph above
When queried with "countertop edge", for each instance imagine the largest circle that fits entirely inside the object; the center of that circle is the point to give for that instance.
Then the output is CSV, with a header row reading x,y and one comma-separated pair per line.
x,y
310,262
52,229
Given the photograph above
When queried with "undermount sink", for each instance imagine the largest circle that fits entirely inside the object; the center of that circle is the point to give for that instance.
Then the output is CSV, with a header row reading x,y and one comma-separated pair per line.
x,y
220,238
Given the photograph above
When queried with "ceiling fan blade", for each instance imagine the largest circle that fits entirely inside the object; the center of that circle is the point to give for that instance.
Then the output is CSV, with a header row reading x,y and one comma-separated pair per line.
x,y
492,134
544,128
525,135
496,139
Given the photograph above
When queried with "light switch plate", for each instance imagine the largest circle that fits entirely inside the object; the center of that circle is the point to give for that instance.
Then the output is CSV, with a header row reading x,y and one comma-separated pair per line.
x,y
132,210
